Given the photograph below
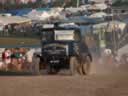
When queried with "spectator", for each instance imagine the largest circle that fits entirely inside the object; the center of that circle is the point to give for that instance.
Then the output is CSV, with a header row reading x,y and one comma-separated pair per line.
x,y
16,59
29,57
6,57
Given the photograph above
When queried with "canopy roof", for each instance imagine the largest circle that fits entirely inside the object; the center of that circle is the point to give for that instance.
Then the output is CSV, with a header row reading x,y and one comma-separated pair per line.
x,y
99,6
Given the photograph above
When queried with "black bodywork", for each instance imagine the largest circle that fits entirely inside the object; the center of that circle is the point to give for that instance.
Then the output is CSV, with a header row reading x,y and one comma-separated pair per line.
x,y
56,53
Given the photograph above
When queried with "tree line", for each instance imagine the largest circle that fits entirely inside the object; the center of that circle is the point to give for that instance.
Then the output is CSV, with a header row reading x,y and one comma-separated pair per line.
x,y
39,4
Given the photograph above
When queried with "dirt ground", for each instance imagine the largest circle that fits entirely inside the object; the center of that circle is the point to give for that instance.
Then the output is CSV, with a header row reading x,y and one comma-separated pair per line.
x,y
104,80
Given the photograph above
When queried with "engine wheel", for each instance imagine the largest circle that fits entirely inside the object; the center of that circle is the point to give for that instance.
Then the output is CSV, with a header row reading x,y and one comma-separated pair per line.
x,y
86,65
73,65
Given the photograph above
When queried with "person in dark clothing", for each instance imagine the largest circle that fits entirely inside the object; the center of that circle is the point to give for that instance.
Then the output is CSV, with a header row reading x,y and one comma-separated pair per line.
x,y
83,49
84,58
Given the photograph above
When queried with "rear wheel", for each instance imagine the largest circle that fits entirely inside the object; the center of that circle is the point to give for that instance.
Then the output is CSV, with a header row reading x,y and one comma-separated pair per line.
x,y
49,69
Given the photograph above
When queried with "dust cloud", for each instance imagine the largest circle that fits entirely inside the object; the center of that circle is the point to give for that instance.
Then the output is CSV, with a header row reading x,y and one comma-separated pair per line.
x,y
106,65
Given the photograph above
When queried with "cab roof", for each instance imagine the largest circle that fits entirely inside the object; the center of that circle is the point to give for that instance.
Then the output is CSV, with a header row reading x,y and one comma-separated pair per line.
x,y
57,27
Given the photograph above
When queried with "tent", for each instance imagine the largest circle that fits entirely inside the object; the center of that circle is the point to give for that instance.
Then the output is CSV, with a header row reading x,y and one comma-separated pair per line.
x,y
99,6
75,10
54,13
18,12
98,15
5,20
22,12
82,20
110,26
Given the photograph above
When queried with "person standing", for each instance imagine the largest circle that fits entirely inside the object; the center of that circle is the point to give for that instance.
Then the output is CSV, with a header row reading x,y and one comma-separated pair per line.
x,y
84,58
29,57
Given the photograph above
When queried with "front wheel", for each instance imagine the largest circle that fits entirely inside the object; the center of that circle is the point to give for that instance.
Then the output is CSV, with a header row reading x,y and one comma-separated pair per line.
x,y
51,69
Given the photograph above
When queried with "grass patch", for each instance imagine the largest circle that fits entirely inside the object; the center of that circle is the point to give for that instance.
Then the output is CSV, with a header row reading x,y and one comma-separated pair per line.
x,y
14,73
6,41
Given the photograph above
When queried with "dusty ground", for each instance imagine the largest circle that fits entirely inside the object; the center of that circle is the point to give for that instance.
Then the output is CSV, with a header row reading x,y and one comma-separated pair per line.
x,y
108,85
103,81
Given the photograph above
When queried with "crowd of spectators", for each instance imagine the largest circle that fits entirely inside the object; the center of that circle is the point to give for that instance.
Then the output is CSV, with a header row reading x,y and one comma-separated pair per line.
x,y
17,59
